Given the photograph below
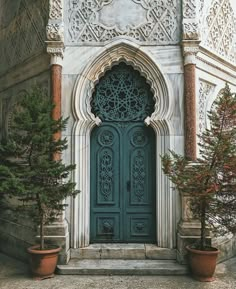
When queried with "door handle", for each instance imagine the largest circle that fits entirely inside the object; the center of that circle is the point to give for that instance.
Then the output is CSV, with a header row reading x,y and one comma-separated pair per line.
x,y
128,186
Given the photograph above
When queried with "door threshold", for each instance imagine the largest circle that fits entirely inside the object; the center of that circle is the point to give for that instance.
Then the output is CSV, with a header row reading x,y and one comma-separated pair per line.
x,y
129,251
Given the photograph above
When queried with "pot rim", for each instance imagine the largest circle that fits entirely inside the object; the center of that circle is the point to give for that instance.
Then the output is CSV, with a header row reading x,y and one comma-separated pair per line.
x,y
204,252
33,250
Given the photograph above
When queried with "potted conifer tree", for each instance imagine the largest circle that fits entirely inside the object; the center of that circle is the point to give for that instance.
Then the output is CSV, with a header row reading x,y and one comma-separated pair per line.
x,y
211,181
33,175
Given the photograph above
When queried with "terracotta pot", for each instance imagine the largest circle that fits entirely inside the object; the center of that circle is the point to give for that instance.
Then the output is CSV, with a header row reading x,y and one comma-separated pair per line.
x,y
203,263
43,262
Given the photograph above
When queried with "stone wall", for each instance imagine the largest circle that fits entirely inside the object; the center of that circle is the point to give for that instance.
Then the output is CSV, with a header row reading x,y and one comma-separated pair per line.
x,y
22,31
17,233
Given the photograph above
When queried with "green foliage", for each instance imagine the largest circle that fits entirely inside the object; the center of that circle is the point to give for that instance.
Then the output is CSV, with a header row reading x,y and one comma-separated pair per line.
x,y
211,179
29,170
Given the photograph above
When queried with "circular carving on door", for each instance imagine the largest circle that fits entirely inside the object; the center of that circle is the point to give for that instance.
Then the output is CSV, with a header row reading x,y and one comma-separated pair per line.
x,y
139,138
106,138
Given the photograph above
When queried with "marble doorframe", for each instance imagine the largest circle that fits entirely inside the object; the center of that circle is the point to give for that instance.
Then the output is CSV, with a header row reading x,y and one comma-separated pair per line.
x,y
85,121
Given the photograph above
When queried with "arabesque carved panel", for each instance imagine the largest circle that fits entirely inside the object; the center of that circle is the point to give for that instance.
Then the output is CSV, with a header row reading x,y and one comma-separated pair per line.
x,y
221,36
205,90
152,21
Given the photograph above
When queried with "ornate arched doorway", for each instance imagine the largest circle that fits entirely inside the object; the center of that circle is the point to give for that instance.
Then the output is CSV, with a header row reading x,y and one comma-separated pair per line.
x,y
123,159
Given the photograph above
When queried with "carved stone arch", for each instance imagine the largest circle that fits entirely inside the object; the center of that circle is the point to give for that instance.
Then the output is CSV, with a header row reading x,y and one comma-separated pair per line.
x,y
134,56
85,121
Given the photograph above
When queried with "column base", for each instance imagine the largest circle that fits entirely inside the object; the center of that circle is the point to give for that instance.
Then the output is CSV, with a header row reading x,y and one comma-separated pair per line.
x,y
188,234
58,234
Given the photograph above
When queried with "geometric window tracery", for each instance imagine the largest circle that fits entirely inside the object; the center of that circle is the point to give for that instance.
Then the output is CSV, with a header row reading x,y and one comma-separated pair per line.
x,y
122,94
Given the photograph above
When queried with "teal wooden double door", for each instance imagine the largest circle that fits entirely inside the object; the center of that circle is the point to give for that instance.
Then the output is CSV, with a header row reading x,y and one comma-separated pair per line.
x,y
123,159
123,183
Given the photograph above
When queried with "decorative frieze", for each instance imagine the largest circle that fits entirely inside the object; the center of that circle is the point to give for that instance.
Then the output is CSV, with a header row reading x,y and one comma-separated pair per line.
x,y
91,21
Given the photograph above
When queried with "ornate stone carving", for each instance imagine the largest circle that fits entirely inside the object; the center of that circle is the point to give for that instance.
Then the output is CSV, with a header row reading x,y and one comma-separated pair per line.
x,y
221,36
191,30
189,9
55,9
190,22
55,32
205,89
23,33
149,21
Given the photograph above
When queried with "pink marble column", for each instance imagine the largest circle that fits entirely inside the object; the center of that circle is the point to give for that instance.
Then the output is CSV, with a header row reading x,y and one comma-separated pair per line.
x,y
56,71
190,110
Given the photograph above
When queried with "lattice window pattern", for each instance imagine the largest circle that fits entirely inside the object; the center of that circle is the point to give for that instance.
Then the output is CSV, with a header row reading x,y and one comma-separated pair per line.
x,y
122,94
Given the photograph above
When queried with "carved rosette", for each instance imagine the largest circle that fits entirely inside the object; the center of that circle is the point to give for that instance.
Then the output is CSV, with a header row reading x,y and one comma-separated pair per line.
x,y
190,21
55,31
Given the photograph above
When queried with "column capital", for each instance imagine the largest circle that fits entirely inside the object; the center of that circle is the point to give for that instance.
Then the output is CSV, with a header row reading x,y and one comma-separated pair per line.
x,y
56,50
190,49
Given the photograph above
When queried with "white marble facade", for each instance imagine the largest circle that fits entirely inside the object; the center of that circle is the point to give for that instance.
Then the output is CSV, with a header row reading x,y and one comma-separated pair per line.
x,y
147,35
155,37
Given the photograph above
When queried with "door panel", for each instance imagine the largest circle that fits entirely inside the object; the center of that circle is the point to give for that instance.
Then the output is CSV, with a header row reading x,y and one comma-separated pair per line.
x,y
123,183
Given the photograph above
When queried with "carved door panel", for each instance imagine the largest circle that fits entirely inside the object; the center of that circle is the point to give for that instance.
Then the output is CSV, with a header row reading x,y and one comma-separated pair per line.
x,y
123,183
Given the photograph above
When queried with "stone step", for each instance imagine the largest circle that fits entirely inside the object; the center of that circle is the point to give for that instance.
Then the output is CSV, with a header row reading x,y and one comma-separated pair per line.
x,y
121,267
124,251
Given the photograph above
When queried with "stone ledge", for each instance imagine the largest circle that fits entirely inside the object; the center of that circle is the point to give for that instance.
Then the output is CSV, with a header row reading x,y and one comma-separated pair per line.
x,y
124,251
122,267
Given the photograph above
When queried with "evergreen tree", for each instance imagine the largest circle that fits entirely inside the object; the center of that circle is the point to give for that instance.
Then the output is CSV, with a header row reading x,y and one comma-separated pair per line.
x,y
29,169
211,180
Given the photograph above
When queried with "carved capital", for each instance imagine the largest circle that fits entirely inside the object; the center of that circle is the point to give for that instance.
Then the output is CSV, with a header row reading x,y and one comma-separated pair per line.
x,y
56,50
190,50
55,31
55,9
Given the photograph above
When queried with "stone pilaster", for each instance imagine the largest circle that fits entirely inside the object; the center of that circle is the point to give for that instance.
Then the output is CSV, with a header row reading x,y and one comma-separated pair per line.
x,y
58,232
188,227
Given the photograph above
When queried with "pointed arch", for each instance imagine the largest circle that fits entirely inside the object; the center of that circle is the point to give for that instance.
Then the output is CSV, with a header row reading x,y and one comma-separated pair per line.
x,y
85,120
